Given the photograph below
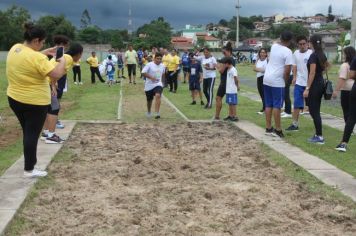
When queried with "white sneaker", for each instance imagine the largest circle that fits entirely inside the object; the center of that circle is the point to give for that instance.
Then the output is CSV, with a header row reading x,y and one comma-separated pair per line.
x,y
286,115
35,173
148,114
81,83
76,83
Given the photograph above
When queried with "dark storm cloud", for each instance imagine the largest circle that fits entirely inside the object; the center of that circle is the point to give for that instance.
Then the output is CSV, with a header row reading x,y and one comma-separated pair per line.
x,y
114,13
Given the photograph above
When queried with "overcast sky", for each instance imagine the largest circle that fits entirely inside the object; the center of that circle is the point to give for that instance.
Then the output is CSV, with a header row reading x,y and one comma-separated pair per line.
x,y
114,13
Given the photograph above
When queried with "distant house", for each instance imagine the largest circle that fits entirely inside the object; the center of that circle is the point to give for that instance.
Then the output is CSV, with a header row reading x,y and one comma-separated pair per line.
x,y
316,19
215,29
261,26
210,41
191,31
330,33
182,43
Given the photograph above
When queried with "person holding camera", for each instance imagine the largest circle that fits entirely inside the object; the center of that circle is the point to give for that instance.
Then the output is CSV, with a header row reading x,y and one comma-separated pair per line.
x,y
27,71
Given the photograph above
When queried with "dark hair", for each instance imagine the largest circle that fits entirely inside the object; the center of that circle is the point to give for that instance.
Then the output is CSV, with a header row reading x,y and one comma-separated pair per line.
x,y
228,47
286,36
301,37
228,60
158,54
109,57
350,53
75,49
33,32
261,49
60,39
315,40
206,49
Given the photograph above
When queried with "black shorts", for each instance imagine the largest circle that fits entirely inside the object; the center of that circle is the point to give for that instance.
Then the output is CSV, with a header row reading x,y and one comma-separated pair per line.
x,y
151,93
54,107
186,69
131,68
221,90
194,85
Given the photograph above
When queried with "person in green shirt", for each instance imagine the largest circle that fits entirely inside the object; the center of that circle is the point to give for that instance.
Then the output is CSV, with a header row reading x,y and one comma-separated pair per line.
x,y
131,62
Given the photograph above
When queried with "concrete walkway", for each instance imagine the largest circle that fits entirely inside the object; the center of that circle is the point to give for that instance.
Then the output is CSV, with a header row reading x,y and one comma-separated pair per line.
x,y
14,187
329,120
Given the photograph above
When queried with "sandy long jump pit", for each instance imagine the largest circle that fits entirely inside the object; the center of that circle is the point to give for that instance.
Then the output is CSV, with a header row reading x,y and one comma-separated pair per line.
x,y
176,179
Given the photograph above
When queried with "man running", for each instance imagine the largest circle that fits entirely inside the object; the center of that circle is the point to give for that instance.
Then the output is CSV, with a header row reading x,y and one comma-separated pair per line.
x,y
154,72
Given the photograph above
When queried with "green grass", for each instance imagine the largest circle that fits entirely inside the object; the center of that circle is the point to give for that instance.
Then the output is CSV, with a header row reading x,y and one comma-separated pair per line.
x,y
247,111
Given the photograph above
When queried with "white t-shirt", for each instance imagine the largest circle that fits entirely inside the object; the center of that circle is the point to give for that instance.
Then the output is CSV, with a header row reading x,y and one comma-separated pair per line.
x,y
261,65
280,57
208,73
301,61
231,87
155,71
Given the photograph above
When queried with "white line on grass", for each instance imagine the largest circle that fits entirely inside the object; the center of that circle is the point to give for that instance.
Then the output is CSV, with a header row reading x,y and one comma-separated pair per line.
x,y
119,109
175,108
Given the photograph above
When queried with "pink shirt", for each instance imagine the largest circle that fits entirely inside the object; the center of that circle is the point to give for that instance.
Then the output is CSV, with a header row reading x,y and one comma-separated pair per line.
x,y
344,74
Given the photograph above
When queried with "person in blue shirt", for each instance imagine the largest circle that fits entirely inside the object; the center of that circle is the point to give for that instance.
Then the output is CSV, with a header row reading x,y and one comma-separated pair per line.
x,y
140,55
185,64
195,78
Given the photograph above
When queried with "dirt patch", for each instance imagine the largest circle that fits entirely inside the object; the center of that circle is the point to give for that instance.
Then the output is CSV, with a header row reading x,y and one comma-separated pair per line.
x,y
178,179
10,130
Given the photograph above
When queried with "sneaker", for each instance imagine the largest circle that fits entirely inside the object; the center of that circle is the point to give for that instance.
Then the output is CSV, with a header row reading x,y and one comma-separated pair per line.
x,y
55,139
43,136
81,83
76,83
35,173
341,147
261,112
216,118
269,132
234,119
292,128
157,117
193,103
227,118
286,115
202,103
278,133
316,139
304,113
148,114
59,125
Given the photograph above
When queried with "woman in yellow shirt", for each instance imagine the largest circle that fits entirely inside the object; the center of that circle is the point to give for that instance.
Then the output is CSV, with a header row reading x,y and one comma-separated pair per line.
x,y
172,67
94,68
28,92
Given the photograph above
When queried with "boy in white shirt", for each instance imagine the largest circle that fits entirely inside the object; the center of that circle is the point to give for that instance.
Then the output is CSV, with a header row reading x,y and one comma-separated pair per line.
x,y
154,73
232,86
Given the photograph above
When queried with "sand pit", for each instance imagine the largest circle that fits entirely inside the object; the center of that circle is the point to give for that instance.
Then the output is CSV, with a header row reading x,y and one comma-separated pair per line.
x,y
178,179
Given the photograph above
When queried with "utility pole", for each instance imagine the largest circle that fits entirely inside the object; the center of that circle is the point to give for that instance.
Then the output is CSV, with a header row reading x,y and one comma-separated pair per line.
x,y
353,24
238,22
129,30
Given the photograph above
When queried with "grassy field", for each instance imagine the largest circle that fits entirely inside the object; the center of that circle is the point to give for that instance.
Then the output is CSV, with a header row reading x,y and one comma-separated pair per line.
x,y
247,111
81,102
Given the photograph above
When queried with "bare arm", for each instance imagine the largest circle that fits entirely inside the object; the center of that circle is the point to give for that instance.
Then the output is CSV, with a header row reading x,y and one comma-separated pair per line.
x,y
310,79
352,74
287,69
221,68
294,69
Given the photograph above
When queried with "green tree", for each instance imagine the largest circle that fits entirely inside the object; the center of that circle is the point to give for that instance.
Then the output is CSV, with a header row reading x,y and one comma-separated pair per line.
x,y
295,29
85,20
345,24
54,25
158,34
223,22
201,42
91,34
11,22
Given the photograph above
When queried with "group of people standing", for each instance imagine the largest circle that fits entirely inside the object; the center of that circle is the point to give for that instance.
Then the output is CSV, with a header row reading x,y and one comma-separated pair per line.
x,y
309,66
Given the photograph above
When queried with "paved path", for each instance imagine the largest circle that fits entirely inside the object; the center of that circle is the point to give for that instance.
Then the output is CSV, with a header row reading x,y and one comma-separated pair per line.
x,y
14,187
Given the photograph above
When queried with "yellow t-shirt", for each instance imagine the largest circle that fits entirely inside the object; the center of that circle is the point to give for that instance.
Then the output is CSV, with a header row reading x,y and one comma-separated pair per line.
x,y
76,63
166,59
173,63
93,61
69,63
131,57
26,71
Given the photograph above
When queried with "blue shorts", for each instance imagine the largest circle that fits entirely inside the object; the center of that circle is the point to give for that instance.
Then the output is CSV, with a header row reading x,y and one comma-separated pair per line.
x,y
298,96
274,96
232,99
194,85
110,76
